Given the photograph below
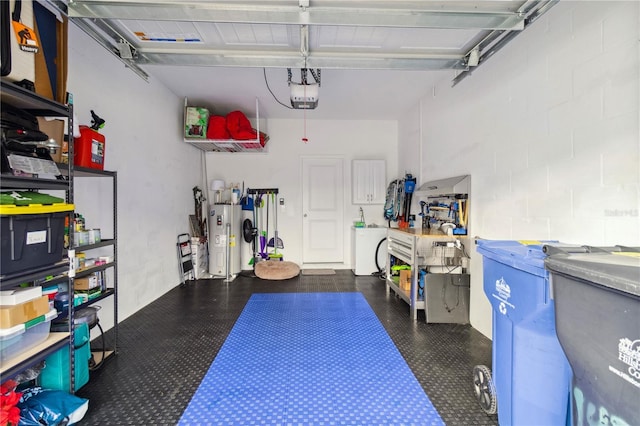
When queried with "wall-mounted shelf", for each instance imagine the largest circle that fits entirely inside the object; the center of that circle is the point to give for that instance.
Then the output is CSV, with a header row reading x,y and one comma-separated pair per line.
x,y
229,145
226,145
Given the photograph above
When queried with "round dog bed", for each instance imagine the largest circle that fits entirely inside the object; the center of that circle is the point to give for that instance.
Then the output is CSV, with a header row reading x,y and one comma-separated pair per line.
x,y
276,270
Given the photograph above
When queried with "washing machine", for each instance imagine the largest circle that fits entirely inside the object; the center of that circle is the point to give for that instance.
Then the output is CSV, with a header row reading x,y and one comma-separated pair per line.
x,y
364,243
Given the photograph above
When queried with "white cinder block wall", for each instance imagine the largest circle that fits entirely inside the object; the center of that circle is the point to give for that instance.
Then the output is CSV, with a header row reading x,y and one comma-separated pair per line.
x,y
156,171
548,130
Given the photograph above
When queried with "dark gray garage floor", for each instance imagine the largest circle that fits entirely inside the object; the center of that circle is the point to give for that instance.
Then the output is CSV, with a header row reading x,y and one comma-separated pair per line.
x,y
167,347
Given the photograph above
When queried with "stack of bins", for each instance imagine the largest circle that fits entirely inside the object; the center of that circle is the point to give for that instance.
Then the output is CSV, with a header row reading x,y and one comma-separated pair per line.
x,y
531,374
597,295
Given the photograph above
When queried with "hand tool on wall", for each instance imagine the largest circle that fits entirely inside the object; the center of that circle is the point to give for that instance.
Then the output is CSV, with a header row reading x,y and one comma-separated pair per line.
x,y
424,213
259,204
275,242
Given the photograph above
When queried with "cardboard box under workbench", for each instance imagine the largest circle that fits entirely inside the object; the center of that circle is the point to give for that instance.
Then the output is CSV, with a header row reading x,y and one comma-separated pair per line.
x,y
405,279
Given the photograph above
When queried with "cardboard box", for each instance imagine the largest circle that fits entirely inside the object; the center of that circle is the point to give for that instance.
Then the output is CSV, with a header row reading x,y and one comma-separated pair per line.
x,y
86,283
55,130
15,296
405,279
51,62
10,316
196,120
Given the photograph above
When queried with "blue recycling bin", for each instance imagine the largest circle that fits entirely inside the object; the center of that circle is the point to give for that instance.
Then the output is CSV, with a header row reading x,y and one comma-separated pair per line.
x,y
531,374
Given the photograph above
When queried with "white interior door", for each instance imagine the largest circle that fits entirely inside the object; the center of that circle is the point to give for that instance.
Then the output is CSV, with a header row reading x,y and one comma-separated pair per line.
x,y
322,210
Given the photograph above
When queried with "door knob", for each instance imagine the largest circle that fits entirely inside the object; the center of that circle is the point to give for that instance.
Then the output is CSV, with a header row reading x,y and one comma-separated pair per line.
x,y
305,215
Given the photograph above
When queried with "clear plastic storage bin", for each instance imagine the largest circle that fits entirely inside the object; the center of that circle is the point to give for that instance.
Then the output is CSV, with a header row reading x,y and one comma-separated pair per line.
x,y
22,337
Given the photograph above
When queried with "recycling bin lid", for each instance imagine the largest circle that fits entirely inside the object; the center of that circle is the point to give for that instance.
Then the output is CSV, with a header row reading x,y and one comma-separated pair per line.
x,y
617,270
525,255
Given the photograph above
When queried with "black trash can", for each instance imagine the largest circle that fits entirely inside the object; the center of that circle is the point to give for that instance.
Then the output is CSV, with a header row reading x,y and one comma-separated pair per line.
x,y
597,297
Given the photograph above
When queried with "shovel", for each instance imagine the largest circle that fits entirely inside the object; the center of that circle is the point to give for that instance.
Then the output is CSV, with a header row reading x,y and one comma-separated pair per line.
x,y
275,242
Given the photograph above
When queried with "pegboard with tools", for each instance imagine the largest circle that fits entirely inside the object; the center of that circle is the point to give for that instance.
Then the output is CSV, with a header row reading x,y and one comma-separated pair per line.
x,y
448,213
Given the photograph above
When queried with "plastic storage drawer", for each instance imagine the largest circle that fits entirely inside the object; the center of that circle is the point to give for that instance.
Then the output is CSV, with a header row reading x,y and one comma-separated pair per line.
x,y
18,339
32,236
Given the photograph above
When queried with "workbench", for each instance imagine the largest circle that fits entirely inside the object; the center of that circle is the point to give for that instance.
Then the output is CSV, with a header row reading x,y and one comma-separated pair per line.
x,y
445,297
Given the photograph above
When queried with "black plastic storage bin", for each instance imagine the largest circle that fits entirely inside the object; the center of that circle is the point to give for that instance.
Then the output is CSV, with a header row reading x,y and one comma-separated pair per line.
x,y
597,296
32,236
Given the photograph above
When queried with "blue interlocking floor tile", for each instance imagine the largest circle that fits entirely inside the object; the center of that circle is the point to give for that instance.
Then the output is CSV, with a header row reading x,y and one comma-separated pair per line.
x,y
309,359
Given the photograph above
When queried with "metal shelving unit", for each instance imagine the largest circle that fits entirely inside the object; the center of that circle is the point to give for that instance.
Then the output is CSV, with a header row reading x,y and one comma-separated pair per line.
x,y
112,290
35,104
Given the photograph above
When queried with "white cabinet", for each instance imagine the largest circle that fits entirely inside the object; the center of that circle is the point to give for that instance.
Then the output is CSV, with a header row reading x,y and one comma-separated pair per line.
x,y
368,180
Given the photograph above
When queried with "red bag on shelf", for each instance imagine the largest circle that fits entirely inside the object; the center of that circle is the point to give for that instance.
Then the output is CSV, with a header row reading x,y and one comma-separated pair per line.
x,y
239,126
217,128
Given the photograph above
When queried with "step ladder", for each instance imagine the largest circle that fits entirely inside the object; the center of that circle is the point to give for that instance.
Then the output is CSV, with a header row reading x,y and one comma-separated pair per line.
x,y
185,260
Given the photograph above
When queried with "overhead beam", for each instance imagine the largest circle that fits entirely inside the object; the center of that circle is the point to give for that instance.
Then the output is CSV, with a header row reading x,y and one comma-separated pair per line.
x,y
400,14
292,59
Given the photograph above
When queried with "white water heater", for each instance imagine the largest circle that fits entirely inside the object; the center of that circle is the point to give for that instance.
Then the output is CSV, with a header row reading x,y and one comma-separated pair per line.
x,y
225,239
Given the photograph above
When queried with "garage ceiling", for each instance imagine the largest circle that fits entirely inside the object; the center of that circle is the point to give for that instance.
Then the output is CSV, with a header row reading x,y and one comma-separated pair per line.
x,y
405,44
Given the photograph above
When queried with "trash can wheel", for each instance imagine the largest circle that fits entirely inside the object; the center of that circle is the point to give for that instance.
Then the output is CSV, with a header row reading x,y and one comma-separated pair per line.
x,y
484,389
